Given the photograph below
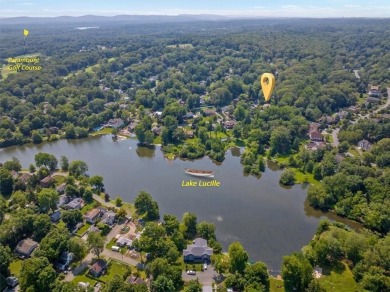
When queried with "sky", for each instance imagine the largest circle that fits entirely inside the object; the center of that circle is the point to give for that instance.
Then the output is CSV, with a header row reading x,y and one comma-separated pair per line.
x,y
247,8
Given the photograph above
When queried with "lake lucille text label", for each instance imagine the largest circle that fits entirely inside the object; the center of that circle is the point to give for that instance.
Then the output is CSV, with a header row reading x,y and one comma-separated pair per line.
x,y
200,183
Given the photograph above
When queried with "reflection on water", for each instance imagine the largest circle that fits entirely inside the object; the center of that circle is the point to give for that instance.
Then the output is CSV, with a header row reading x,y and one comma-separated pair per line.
x,y
311,212
145,152
273,165
236,151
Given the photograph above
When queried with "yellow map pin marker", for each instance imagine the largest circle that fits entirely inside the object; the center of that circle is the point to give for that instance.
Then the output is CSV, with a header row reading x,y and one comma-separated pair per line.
x,y
267,82
25,32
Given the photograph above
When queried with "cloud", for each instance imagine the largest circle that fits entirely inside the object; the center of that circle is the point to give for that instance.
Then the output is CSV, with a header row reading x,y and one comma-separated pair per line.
x,y
352,6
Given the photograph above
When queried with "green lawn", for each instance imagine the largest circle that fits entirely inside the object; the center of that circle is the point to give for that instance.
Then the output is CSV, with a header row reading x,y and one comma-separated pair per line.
x,y
110,244
84,278
59,179
87,208
83,229
340,281
15,267
5,72
304,177
353,151
274,284
115,268
103,131
90,69
157,140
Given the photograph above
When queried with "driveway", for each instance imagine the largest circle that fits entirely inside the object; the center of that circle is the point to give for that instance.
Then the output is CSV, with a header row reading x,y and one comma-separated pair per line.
x,y
335,132
205,278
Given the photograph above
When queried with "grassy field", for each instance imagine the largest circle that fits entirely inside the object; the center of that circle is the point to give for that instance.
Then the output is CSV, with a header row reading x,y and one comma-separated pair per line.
x,y
340,281
103,131
5,71
15,267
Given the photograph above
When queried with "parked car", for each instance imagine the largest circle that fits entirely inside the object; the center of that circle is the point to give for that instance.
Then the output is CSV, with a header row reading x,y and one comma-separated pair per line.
x,y
205,266
191,272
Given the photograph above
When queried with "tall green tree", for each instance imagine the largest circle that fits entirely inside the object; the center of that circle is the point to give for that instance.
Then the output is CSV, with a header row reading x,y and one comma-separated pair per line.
x,y
37,275
95,242
47,200
238,258
297,272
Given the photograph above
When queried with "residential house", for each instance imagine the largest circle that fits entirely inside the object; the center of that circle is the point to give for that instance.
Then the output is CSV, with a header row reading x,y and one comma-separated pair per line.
x,y
24,177
46,182
330,120
115,123
353,109
92,215
313,146
230,124
374,91
189,133
11,282
314,132
14,174
198,251
372,99
74,204
364,144
61,188
188,115
98,268
156,131
135,280
93,228
63,199
55,216
108,218
26,247
64,261
209,112
54,130
124,241
316,136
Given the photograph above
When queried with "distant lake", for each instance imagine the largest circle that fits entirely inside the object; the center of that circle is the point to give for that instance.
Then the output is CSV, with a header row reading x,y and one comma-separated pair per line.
x,y
269,220
86,27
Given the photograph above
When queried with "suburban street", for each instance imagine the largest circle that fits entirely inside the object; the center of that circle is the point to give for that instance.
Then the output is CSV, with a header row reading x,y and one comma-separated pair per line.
x,y
336,131
106,253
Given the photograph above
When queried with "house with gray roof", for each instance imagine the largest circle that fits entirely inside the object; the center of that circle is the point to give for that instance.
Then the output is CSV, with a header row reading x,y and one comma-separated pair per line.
x,y
26,247
198,251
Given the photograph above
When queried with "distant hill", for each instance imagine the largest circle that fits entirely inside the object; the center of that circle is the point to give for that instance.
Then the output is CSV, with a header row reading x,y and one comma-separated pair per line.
x,y
117,18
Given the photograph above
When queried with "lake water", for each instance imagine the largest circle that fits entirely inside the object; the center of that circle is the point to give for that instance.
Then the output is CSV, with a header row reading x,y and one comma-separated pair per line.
x,y
269,220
